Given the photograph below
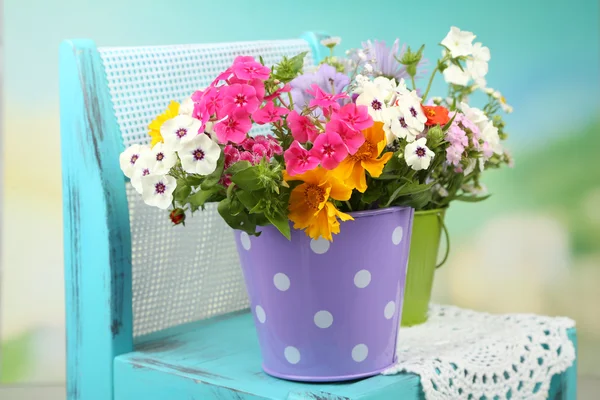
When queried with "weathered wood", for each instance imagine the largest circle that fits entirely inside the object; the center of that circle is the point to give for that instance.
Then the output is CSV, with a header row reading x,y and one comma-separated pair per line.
x,y
220,359
97,244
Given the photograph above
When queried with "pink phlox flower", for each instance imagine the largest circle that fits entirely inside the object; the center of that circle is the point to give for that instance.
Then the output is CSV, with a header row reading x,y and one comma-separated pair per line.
x,y
352,139
326,101
286,88
330,149
274,145
260,151
223,76
248,143
239,96
456,136
487,150
303,130
356,117
299,160
247,156
454,154
232,155
246,67
233,128
225,180
243,59
210,102
269,113
257,84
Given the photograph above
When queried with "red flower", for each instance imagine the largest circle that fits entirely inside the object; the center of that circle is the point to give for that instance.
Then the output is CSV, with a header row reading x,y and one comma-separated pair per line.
x,y
436,115
177,216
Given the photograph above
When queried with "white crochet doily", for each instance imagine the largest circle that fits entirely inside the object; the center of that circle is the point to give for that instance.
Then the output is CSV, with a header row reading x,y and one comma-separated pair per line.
x,y
458,353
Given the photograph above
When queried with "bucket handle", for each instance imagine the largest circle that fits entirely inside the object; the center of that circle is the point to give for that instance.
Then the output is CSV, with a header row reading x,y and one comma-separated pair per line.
x,y
447,235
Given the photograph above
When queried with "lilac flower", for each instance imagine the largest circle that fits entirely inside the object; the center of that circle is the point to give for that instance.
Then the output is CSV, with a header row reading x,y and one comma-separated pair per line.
x,y
326,77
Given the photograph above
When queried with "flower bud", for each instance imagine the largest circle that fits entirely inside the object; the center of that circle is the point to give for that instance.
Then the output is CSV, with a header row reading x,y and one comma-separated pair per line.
x,y
177,216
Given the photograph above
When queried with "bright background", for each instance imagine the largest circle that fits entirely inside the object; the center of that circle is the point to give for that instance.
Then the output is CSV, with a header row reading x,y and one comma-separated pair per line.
x,y
534,246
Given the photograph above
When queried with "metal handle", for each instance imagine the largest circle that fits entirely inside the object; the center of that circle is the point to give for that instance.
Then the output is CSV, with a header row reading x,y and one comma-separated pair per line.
x,y
441,220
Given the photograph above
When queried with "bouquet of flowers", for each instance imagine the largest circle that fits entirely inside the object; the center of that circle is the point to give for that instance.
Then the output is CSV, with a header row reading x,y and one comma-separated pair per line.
x,y
354,133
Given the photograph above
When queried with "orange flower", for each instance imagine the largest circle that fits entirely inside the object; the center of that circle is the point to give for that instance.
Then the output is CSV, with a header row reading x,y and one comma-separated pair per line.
x,y
309,206
436,115
352,169
171,112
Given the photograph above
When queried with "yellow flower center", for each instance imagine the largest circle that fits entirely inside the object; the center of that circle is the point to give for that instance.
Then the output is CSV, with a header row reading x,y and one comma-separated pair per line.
x,y
503,100
431,113
313,196
365,152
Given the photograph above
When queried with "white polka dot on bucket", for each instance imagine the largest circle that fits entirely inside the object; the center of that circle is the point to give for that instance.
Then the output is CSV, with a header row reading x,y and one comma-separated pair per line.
x,y
323,319
292,355
360,352
245,240
390,309
397,235
320,245
260,314
362,278
281,281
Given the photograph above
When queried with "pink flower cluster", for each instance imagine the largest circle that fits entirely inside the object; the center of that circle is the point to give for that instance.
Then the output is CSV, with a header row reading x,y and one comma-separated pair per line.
x,y
458,136
252,149
331,139
235,98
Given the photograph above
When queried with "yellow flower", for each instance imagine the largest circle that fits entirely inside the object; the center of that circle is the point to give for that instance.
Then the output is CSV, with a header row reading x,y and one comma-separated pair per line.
x,y
352,169
309,206
171,112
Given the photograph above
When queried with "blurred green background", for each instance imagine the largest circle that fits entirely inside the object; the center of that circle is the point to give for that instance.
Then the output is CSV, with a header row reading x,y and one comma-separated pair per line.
x,y
534,246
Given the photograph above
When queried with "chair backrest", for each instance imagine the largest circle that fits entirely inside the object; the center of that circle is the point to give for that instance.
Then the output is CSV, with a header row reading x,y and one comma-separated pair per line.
x,y
128,272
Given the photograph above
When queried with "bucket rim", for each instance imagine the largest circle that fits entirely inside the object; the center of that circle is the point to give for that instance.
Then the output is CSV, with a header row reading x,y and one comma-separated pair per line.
x,y
377,211
433,211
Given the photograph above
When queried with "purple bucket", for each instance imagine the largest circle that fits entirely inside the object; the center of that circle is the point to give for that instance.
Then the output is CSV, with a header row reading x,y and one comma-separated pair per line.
x,y
329,311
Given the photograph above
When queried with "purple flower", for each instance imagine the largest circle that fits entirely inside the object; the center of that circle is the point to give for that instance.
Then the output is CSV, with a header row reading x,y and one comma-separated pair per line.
x,y
383,59
326,77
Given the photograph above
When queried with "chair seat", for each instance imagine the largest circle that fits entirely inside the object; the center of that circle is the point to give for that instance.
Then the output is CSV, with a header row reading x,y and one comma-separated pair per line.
x,y
220,359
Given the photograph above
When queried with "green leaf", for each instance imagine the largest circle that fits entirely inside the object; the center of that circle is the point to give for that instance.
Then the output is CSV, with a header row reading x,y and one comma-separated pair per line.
x,y
212,179
247,179
198,199
409,189
297,62
238,166
248,199
471,199
282,224
182,191
236,220
194,179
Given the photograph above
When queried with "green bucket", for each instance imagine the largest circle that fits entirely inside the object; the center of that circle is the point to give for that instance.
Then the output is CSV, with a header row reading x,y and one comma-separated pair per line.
x,y
422,263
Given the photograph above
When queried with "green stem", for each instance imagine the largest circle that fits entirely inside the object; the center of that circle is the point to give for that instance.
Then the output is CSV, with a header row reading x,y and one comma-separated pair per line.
x,y
429,84
348,204
412,78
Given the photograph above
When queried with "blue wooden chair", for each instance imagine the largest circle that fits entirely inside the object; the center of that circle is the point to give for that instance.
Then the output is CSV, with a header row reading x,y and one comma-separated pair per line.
x,y
156,312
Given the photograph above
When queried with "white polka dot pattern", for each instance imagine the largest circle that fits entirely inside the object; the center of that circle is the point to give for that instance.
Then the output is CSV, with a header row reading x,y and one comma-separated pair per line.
x,y
260,314
320,245
362,278
281,281
397,235
360,352
179,274
323,319
245,239
292,355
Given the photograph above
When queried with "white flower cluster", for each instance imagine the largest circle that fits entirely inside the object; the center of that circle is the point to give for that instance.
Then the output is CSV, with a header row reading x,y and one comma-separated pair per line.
x,y
460,44
399,109
148,167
